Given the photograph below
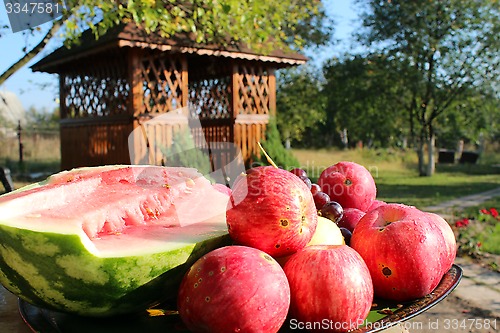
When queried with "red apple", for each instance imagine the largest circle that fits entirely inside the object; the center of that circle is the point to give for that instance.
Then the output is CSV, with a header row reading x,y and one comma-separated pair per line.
x,y
330,287
350,184
406,250
234,289
449,252
272,210
376,203
350,218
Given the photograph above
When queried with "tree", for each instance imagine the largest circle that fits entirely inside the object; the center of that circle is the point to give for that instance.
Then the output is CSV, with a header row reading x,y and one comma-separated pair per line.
x,y
451,46
472,118
287,23
300,103
363,100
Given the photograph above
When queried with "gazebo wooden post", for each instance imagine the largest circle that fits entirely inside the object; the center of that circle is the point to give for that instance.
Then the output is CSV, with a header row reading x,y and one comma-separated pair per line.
x,y
63,114
136,84
234,103
135,98
272,91
62,96
185,82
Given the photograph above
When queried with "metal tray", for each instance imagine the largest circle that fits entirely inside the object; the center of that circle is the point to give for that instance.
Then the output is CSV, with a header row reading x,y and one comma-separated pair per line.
x,y
165,319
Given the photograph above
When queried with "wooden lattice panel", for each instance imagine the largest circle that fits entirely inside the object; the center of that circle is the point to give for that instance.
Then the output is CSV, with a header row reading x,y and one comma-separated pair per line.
x,y
100,90
254,91
210,98
163,83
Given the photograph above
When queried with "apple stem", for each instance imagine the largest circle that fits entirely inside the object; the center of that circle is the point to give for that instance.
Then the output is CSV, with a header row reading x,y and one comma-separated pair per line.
x,y
269,159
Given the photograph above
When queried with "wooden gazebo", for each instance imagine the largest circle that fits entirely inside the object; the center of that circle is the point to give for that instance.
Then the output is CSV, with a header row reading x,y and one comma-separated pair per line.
x,y
112,85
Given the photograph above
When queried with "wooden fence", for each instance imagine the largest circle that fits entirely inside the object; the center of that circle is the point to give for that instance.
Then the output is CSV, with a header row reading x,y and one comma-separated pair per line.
x,y
34,145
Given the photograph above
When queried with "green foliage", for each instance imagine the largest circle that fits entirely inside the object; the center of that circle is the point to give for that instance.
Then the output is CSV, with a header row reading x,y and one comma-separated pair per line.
x,y
473,117
184,153
42,119
253,23
300,102
274,147
452,46
364,98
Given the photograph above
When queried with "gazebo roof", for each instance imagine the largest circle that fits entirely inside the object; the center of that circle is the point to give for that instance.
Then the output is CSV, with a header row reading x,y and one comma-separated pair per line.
x,y
130,35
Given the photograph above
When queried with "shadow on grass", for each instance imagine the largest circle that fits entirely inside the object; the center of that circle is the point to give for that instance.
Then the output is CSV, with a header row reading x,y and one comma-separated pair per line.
x,y
428,195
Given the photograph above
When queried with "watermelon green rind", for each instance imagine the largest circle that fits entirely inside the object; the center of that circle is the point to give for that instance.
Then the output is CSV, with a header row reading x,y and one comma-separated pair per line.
x,y
55,265
58,281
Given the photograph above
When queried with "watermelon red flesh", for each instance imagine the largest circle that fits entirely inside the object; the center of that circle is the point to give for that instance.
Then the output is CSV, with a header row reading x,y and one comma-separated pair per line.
x,y
103,241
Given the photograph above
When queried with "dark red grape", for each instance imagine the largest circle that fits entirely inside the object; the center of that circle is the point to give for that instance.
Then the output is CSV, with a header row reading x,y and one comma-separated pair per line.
x,y
299,172
332,210
307,181
347,235
320,199
315,188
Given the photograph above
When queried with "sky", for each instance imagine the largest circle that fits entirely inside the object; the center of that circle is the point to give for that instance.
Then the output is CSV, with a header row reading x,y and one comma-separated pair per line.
x,y
40,90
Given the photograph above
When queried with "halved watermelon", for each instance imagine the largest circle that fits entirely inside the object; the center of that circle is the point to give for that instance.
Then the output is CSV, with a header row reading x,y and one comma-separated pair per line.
x,y
108,240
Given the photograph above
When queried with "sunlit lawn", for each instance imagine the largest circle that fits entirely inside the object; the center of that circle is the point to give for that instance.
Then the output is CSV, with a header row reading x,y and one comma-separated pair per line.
x,y
397,178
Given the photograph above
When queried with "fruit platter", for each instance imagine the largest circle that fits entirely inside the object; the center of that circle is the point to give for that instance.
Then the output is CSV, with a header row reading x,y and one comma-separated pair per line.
x,y
165,249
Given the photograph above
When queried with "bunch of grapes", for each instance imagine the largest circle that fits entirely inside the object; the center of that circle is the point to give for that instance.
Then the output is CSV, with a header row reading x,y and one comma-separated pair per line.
x,y
326,207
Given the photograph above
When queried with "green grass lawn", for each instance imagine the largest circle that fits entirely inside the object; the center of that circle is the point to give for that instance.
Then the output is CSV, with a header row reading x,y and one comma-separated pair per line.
x,y
397,178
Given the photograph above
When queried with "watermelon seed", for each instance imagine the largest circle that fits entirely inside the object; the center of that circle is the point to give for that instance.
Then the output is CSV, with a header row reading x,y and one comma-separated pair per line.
x,y
277,246
190,182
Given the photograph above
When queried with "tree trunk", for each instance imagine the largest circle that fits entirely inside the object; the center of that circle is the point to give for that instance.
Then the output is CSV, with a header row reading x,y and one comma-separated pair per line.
x,y
421,153
431,161
421,159
32,53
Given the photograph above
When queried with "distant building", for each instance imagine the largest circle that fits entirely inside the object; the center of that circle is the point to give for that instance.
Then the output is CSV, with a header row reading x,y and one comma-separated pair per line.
x,y
11,109
11,112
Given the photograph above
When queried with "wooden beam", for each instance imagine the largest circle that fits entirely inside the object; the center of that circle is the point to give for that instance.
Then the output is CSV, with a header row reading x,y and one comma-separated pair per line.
x,y
235,101
63,110
185,82
135,105
272,90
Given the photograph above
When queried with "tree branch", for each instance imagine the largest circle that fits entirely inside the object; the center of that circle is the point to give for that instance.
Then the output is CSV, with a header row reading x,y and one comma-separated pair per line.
x,y
32,53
